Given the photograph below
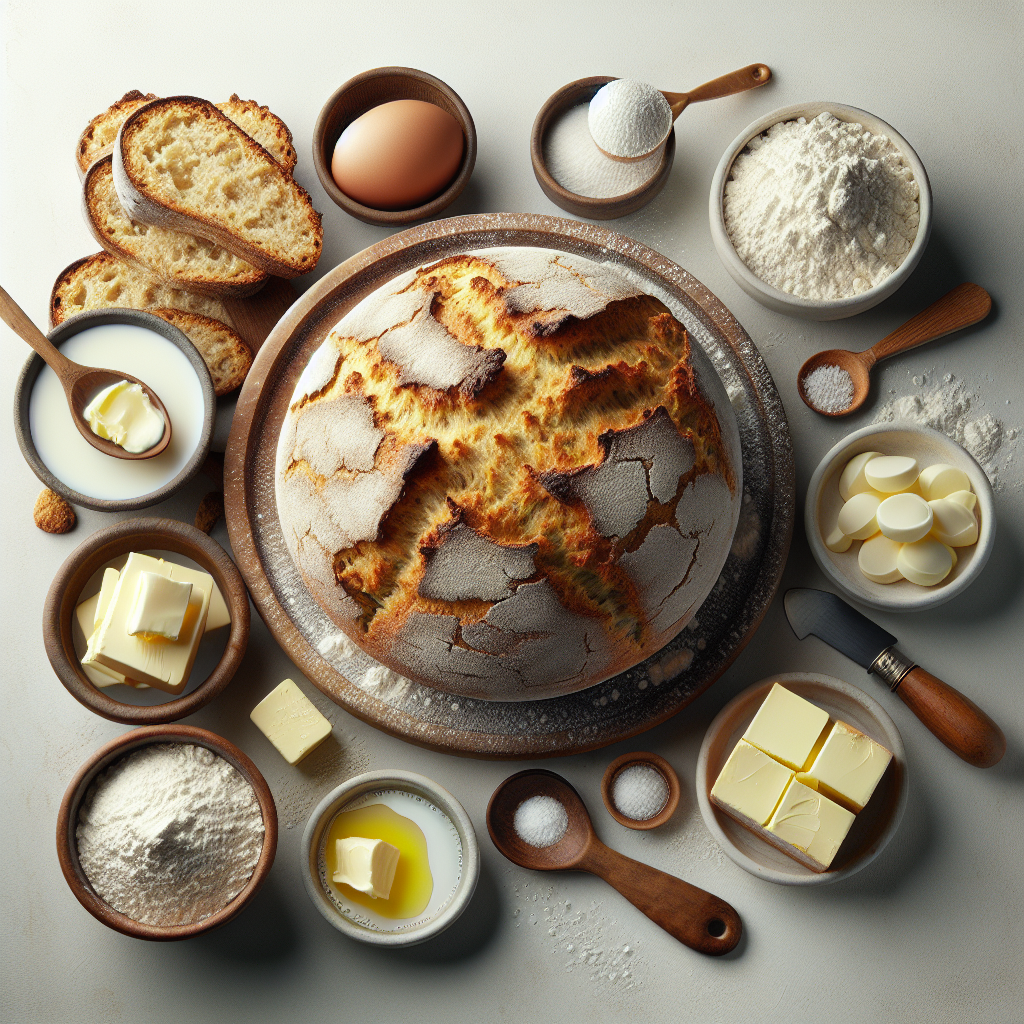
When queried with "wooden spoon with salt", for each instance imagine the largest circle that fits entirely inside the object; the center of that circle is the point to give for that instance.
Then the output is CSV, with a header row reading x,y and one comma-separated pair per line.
x,y
695,917
81,383
965,305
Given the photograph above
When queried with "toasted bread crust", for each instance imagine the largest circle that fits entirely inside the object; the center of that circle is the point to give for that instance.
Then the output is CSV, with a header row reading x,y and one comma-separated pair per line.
x,y
262,124
97,140
182,260
102,282
226,355
156,192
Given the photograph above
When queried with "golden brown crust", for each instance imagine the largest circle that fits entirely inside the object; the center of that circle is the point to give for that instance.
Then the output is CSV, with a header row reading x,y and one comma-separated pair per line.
x,y
52,513
227,356
265,127
97,139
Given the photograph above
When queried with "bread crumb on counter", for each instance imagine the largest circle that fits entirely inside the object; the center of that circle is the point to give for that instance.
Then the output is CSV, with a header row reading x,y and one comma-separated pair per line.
x,y
52,513
211,508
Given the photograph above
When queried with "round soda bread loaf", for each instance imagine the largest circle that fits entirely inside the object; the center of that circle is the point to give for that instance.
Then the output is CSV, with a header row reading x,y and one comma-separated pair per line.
x,y
499,476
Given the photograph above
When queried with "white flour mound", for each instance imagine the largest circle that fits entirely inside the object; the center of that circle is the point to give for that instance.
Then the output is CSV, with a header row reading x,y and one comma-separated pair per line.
x,y
821,209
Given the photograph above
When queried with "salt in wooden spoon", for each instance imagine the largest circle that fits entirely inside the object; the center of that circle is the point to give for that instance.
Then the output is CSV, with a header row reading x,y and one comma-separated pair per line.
x,y
965,305
81,383
750,77
695,917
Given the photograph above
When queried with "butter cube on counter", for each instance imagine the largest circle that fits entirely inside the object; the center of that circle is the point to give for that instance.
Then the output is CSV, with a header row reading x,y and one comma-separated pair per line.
x,y
811,824
788,728
750,784
848,767
367,865
160,607
162,663
289,720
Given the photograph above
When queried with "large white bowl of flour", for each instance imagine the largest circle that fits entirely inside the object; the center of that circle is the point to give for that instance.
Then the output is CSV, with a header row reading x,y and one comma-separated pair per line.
x,y
831,248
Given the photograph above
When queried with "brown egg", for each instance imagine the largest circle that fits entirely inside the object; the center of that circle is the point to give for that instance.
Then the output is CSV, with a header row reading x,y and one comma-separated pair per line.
x,y
398,155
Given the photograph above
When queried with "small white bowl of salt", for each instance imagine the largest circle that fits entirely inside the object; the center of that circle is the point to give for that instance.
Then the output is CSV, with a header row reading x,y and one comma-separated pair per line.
x,y
640,790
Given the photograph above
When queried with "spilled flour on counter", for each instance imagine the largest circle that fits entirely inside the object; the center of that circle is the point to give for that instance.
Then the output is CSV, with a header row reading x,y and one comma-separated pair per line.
x,y
950,408
586,941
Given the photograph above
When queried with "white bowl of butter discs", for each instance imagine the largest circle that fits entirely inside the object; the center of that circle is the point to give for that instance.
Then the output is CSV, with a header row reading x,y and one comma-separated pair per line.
x,y
900,517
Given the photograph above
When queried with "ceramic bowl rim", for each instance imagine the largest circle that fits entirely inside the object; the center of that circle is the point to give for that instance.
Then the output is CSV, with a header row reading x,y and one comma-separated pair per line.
x,y
793,305
886,599
412,782
710,814
33,366
119,747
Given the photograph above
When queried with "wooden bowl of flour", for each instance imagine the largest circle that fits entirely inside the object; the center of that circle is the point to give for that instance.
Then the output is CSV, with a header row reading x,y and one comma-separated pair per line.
x,y
67,825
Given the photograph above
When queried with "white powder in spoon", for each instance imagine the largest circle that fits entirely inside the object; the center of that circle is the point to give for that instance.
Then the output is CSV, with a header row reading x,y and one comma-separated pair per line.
x,y
828,388
540,821
629,119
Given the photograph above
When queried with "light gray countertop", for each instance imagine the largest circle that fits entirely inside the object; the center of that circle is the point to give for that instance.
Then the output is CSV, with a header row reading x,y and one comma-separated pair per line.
x,y
932,931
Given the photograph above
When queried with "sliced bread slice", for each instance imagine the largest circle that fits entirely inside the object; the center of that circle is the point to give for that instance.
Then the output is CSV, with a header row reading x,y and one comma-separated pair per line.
x,y
101,281
225,354
180,163
98,138
97,141
263,125
180,259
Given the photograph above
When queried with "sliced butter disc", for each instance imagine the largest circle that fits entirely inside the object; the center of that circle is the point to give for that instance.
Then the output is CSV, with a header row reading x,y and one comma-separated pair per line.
x,y
891,473
852,480
953,524
925,562
966,498
838,542
857,517
877,559
904,517
941,480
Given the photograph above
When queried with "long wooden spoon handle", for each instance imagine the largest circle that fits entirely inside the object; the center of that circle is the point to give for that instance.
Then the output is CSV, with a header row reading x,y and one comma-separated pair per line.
x,y
695,917
966,304
746,78
955,719
17,319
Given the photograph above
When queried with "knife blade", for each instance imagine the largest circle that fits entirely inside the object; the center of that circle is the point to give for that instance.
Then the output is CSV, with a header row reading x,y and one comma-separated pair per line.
x,y
955,719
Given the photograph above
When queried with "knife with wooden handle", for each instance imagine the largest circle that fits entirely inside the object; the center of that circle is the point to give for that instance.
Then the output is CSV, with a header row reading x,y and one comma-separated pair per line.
x,y
953,718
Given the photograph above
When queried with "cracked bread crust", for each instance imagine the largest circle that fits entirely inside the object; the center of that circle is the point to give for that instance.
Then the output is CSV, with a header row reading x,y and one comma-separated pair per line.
x,y
499,477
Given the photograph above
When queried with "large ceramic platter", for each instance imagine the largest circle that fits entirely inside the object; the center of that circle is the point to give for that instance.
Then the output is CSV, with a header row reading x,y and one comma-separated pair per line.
x,y
616,709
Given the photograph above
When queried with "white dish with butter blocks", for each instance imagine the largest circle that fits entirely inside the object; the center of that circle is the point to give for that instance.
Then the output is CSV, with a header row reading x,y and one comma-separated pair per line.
x,y
872,828
451,845
824,502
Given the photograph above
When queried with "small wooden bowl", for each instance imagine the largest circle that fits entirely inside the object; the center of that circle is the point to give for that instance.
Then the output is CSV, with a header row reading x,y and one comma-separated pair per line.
x,y
34,366
662,767
67,824
371,89
101,547
874,826
582,91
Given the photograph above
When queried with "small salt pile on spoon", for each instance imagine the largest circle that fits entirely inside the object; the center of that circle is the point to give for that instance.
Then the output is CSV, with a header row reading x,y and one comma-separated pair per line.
x,y
828,389
540,821
629,120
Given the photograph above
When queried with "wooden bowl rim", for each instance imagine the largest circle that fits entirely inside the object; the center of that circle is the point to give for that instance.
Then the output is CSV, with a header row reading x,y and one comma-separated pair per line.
x,y
121,746
803,876
419,785
610,207
390,218
33,367
120,538
794,305
662,766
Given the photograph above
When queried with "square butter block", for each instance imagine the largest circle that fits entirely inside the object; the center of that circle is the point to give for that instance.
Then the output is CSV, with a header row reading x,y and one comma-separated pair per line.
x,y
90,613
848,767
788,728
810,826
750,784
289,720
160,606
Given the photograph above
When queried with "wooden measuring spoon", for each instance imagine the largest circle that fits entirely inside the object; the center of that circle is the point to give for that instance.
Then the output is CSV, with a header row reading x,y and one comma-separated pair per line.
x,y
746,78
965,305
81,383
695,917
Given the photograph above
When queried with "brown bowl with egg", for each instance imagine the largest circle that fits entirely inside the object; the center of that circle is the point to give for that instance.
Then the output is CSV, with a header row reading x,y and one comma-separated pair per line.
x,y
68,586
366,93
68,818
557,105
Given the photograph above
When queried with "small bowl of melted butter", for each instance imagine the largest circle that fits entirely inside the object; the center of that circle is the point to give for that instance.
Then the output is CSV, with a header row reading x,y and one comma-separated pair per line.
x,y
392,858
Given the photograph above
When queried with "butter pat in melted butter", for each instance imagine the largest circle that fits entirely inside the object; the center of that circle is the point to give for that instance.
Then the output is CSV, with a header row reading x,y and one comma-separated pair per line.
x,y
367,865
123,413
811,823
289,720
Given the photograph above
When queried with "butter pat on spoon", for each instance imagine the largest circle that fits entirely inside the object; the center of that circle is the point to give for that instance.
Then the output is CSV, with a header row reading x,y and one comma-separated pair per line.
x,y
111,409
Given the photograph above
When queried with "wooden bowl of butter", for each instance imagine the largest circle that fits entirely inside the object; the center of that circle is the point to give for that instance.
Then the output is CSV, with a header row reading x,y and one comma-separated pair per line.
x,y
147,621
794,731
